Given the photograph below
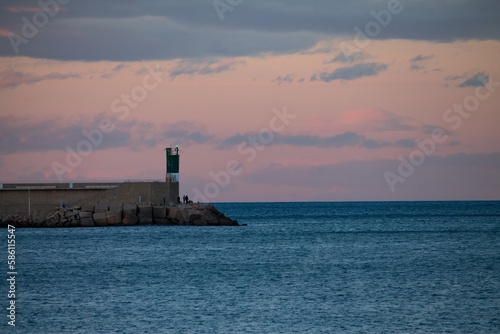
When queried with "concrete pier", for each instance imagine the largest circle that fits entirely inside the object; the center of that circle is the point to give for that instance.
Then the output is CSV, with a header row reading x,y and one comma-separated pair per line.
x,y
39,199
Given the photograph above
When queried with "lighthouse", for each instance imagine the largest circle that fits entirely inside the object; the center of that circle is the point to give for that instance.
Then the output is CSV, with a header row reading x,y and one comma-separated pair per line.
x,y
172,164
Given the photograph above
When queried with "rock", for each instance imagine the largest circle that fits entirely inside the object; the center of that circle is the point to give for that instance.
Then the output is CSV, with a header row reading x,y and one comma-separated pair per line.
x,y
160,212
114,217
173,212
128,214
87,222
210,219
116,208
180,217
145,214
130,219
129,208
85,214
145,221
224,221
200,222
163,221
69,214
51,223
87,207
98,208
100,219
193,215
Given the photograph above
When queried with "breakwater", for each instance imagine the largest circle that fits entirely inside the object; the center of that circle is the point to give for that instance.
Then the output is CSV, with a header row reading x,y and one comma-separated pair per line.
x,y
40,199
102,214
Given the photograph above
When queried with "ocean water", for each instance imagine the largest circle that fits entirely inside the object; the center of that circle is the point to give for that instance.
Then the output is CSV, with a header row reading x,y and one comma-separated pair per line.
x,y
404,267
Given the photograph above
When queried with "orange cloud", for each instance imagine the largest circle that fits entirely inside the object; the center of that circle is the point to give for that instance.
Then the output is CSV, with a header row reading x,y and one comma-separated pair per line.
x,y
24,9
5,32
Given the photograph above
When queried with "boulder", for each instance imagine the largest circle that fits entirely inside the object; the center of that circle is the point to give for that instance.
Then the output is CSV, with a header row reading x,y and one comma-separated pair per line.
x,y
98,208
179,217
163,221
114,217
193,215
129,208
130,219
116,208
145,214
52,223
225,221
69,214
87,207
85,214
160,212
87,222
100,219
210,219
200,222
172,212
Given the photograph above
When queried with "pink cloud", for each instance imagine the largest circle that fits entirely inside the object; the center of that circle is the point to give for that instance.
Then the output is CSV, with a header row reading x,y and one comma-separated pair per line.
x,y
375,119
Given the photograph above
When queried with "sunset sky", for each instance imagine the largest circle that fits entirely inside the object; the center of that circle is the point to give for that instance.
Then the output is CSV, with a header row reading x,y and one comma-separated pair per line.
x,y
284,100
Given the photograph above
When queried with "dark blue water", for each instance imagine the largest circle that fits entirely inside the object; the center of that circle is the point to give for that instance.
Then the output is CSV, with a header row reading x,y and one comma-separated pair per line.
x,y
409,267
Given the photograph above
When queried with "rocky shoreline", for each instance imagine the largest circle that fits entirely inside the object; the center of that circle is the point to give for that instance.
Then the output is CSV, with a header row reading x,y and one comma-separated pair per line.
x,y
124,215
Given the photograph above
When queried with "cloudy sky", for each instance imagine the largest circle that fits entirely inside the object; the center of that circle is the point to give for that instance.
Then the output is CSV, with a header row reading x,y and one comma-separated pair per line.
x,y
281,100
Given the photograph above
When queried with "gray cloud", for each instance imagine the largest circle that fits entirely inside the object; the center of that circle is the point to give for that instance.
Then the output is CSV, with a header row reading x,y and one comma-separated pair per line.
x,y
109,74
203,67
350,73
477,80
389,121
418,62
26,135
22,134
283,79
420,58
469,79
167,29
428,129
346,139
457,176
187,133
9,78
342,57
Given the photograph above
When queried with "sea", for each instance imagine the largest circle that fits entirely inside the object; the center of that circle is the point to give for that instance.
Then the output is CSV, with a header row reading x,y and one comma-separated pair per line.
x,y
325,267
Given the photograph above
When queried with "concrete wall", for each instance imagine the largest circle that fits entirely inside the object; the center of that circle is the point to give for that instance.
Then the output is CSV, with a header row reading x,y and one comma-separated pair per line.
x,y
69,185
139,192
43,201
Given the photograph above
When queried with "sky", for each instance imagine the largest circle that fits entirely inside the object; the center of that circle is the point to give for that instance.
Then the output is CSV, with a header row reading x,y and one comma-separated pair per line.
x,y
284,100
